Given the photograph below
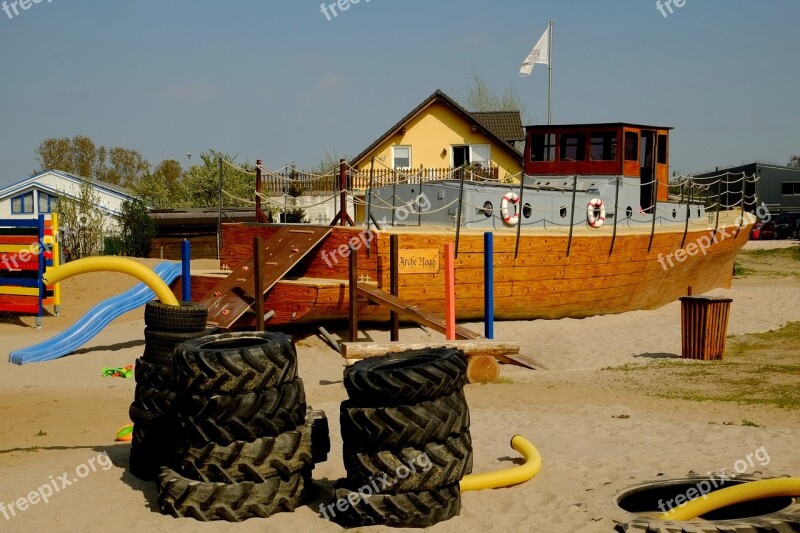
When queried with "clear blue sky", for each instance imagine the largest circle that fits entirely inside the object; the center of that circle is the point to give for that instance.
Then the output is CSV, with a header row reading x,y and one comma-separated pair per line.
x,y
280,82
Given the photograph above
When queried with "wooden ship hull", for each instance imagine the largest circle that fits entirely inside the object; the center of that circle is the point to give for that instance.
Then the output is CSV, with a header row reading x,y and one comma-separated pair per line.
x,y
551,277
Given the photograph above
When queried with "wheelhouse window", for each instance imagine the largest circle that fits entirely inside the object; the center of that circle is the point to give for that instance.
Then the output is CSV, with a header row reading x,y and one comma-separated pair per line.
x,y
573,147
47,203
603,146
401,156
543,147
790,188
631,146
662,149
22,204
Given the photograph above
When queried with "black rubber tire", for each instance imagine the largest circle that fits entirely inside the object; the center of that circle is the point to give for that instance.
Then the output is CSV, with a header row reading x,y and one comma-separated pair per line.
x,y
189,317
233,363
413,469
401,426
406,377
159,346
152,447
181,497
409,509
224,419
320,435
157,402
154,376
781,521
281,456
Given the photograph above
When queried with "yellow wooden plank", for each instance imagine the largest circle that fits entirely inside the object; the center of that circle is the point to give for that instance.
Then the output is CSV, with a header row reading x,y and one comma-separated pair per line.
x,y
19,291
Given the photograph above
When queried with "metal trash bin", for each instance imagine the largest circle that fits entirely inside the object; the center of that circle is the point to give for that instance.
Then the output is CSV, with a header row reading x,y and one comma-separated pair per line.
x,y
704,326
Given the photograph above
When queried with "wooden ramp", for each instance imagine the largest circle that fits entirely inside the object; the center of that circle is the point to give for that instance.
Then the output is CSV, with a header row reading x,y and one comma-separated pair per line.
x,y
235,295
430,320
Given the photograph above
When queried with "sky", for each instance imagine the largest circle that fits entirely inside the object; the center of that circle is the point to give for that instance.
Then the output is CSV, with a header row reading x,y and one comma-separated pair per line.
x,y
279,81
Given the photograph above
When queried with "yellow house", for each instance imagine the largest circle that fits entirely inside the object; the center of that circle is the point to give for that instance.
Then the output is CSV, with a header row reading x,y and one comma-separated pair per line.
x,y
439,135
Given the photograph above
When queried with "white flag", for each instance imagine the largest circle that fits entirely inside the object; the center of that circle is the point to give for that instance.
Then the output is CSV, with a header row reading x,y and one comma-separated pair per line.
x,y
539,54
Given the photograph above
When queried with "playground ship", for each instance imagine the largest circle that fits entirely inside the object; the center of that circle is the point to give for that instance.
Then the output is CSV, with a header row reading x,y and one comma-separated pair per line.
x,y
593,227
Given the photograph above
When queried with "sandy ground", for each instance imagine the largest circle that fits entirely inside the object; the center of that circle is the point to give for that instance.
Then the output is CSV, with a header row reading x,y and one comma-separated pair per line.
x,y
595,437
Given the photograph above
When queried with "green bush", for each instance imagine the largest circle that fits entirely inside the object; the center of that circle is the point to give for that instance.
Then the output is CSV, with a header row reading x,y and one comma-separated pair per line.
x,y
136,229
112,245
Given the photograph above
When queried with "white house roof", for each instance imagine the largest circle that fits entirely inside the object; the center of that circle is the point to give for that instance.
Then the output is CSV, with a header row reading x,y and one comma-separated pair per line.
x,y
116,191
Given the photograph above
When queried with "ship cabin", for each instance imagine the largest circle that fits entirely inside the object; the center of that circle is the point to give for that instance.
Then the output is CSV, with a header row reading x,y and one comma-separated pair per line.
x,y
611,149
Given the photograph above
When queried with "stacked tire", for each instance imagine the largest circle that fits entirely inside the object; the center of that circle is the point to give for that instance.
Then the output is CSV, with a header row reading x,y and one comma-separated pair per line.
x,y
156,437
405,431
250,444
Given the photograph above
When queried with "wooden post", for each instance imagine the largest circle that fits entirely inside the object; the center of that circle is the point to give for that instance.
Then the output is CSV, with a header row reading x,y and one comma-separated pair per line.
x,y
353,289
488,284
483,369
460,205
394,282
450,292
259,283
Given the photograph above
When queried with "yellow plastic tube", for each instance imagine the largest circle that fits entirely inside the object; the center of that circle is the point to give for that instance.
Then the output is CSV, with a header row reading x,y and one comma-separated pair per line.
x,y
756,490
113,264
509,476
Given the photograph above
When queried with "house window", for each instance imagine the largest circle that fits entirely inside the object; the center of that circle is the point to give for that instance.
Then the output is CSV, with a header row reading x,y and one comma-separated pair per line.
x,y
22,204
480,154
604,146
401,156
573,147
790,188
543,147
471,154
662,149
47,203
631,146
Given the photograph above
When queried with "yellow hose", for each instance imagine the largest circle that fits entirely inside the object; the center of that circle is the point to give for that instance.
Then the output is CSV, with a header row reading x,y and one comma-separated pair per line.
x,y
509,476
757,490
113,264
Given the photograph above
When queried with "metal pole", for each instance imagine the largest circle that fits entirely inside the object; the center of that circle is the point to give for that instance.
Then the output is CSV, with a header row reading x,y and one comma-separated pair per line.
x,y
519,213
719,204
259,283
655,211
394,196
689,198
342,192
449,292
550,77
260,218
219,213
186,268
616,215
353,289
458,215
394,277
572,213
369,200
488,284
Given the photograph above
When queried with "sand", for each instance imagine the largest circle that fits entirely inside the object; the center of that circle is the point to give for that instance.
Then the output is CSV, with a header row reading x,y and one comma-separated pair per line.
x,y
595,437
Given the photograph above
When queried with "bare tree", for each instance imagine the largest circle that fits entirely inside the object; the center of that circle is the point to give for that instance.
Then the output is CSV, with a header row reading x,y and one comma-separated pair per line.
x,y
481,97
794,161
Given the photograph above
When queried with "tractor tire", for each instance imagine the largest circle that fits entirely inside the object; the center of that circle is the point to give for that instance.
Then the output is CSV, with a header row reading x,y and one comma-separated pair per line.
x,y
413,469
406,377
235,363
154,376
320,435
156,402
152,447
369,429
159,346
187,318
409,509
225,419
281,456
181,497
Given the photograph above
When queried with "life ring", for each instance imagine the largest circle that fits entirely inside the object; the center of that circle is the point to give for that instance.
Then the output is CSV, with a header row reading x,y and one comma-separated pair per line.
x,y
596,205
514,199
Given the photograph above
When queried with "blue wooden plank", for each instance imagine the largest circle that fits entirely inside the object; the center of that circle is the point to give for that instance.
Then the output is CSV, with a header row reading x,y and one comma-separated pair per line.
x,y
19,223
19,282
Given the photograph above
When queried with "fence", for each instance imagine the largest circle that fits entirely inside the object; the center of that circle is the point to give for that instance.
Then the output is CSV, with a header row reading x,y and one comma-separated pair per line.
x,y
28,247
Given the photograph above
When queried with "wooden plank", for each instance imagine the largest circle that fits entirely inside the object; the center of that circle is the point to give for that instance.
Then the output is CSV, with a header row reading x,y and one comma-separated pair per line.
x,y
414,312
233,297
471,348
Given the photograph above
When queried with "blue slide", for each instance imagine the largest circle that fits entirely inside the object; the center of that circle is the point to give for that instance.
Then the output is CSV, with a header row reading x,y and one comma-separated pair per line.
x,y
94,321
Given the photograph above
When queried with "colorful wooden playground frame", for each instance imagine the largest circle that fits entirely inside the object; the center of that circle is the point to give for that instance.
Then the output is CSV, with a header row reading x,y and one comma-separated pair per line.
x,y
28,248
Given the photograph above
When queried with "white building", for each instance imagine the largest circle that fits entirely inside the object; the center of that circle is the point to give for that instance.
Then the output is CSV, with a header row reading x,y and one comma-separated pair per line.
x,y
37,195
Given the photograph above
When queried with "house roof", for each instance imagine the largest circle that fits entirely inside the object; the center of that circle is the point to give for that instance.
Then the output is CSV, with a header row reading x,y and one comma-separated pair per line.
x,y
440,97
506,124
116,190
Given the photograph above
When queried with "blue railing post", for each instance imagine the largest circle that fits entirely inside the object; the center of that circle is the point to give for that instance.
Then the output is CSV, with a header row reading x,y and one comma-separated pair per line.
x,y
42,268
186,281
488,285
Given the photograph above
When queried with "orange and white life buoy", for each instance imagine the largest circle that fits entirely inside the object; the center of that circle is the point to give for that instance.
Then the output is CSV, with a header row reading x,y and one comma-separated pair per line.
x,y
510,197
596,205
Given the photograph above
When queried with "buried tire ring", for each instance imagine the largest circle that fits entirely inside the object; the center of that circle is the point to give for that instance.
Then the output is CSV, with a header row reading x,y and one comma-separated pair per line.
x,y
407,377
187,318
